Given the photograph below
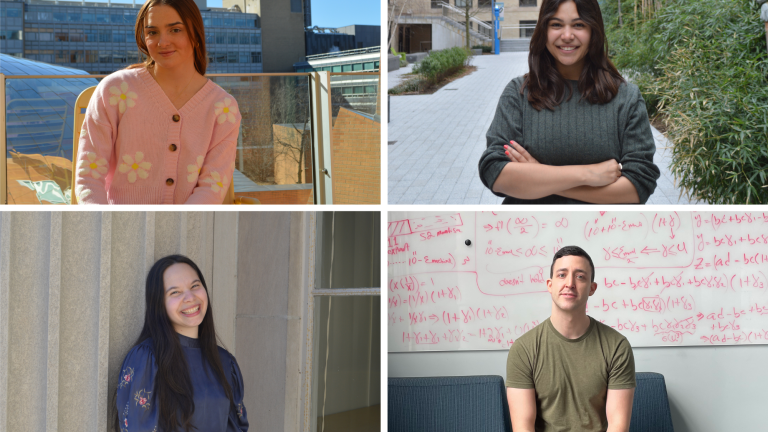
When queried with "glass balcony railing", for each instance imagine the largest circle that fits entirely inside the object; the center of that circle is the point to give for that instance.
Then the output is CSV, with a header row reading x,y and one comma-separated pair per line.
x,y
280,158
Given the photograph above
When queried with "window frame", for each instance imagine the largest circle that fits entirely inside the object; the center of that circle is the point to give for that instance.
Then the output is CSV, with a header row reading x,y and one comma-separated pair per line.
x,y
315,244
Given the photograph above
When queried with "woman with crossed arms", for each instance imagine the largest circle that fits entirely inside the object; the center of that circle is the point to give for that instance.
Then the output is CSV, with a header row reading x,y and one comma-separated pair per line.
x,y
572,130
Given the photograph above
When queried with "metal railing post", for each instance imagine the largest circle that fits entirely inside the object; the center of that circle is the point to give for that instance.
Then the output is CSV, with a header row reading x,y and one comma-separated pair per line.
x,y
321,134
3,145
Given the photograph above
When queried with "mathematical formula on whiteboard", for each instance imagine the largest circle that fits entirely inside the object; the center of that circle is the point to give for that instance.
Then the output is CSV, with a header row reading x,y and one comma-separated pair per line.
x,y
477,280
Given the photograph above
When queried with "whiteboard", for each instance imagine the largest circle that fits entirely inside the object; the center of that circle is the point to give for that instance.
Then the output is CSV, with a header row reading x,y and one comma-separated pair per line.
x,y
477,280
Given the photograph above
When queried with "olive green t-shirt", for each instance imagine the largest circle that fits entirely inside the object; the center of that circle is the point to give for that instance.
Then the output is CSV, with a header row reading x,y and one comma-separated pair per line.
x,y
571,376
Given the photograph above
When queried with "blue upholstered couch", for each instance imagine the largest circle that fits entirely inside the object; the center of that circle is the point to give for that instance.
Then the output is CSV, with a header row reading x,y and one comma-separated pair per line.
x,y
479,403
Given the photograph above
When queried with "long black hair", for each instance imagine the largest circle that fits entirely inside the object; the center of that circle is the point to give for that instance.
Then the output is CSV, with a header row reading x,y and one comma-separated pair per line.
x,y
173,387
599,81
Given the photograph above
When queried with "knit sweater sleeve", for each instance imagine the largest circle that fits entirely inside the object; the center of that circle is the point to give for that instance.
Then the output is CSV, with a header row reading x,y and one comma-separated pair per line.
x,y
507,125
638,147
97,141
219,162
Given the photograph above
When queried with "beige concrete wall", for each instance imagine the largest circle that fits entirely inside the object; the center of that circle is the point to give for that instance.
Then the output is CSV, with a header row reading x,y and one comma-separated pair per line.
x,y
72,305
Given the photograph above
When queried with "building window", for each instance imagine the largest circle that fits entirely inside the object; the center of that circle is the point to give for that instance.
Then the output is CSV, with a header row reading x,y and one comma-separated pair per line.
x,y
527,3
255,57
346,319
463,3
435,4
484,3
296,6
527,32
255,39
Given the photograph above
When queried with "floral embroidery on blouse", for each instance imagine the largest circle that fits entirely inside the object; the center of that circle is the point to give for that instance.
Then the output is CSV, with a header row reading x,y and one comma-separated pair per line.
x,y
142,399
240,410
125,379
93,167
134,166
215,181
194,170
83,132
225,112
81,192
122,97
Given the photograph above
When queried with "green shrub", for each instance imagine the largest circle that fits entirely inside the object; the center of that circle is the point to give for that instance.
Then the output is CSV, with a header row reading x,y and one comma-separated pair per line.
x,y
485,48
703,64
410,85
440,64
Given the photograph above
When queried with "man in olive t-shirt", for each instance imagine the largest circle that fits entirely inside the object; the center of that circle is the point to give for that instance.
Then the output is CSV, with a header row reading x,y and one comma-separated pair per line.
x,y
571,373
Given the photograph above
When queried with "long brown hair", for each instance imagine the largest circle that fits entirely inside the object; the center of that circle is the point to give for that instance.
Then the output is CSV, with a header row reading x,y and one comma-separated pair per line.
x,y
599,81
193,22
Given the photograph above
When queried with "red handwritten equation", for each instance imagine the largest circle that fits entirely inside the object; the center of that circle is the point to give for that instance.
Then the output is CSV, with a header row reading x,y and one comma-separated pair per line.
x,y
477,280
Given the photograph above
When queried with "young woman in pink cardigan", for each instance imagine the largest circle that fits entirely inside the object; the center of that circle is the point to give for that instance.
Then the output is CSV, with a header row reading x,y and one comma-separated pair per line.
x,y
159,132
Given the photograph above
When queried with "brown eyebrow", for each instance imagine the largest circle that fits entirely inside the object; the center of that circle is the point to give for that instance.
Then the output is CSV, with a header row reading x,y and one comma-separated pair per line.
x,y
558,19
575,271
167,25
193,282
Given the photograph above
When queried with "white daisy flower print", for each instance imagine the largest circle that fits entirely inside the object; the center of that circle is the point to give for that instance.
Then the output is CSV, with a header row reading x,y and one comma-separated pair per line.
x,y
194,170
122,97
81,192
216,182
225,111
83,132
90,166
134,167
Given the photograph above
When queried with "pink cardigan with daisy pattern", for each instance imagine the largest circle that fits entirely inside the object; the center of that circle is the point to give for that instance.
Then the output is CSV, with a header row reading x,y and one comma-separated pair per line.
x,y
137,148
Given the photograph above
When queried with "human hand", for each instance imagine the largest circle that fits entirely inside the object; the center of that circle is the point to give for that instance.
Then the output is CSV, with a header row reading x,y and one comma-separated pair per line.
x,y
516,153
604,173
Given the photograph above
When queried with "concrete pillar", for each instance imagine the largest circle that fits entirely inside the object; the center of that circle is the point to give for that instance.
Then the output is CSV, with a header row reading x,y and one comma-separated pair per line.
x,y
72,305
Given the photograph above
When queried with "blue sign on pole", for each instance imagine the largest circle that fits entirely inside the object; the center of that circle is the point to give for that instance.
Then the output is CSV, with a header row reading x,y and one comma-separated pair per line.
x,y
497,9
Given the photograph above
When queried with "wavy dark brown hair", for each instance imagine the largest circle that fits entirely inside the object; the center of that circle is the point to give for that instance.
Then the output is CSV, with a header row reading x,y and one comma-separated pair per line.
x,y
173,387
599,80
193,24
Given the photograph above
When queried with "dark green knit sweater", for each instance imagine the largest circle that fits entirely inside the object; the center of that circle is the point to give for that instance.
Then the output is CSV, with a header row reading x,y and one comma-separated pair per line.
x,y
575,133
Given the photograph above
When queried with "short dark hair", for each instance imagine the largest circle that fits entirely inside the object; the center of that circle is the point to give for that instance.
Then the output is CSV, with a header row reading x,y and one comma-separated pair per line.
x,y
572,251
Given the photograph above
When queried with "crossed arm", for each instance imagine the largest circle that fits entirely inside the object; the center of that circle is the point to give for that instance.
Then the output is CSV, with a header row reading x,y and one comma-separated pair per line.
x,y
525,178
522,409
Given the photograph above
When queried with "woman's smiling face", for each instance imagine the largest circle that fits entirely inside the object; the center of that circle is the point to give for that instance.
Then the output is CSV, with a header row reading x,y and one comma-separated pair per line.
x,y
168,40
186,300
568,40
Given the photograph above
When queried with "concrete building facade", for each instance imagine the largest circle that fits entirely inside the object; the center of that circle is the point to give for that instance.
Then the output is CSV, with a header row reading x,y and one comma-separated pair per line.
x,y
72,305
282,29
426,25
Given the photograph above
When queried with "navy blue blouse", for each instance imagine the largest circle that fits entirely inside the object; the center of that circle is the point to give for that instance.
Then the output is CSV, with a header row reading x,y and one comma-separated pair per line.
x,y
137,407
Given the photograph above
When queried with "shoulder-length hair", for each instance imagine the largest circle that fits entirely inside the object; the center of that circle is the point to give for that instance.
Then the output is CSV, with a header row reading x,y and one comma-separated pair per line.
x,y
193,23
599,80
173,387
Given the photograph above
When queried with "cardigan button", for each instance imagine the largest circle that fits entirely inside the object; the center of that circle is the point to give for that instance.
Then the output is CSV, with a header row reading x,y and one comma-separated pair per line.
x,y
176,117
172,147
169,182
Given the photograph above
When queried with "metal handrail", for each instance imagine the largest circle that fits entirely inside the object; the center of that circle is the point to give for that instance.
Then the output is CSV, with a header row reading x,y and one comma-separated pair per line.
x,y
345,53
473,19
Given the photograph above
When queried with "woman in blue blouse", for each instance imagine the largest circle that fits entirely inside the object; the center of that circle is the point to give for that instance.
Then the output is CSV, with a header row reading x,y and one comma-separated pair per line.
x,y
176,378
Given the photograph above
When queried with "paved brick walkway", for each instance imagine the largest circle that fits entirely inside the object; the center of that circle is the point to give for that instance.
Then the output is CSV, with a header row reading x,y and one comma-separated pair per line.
x,y
439,138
